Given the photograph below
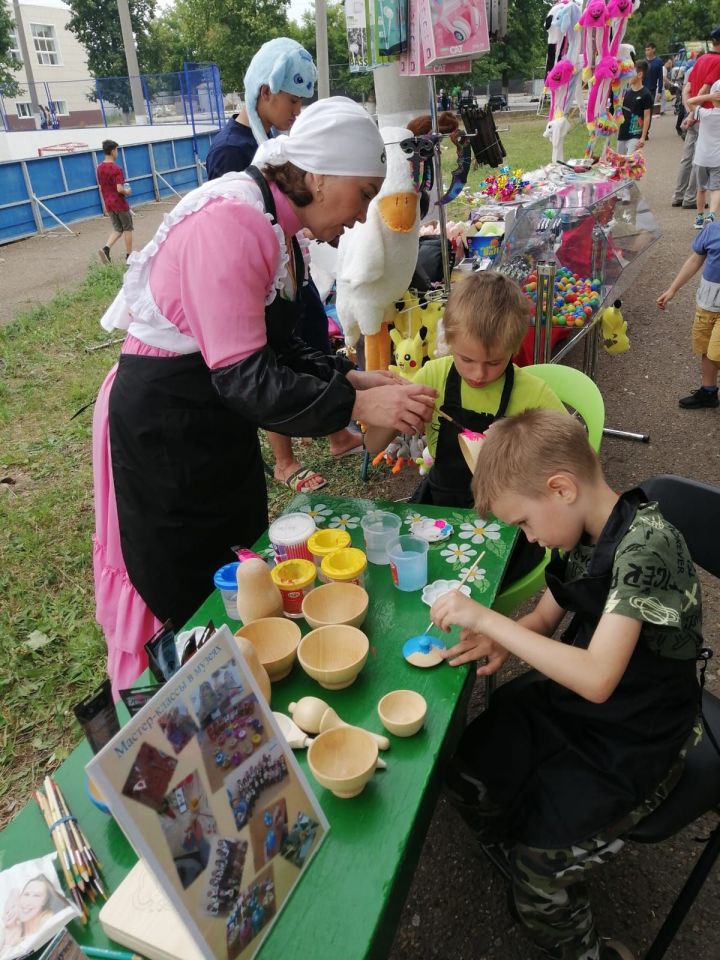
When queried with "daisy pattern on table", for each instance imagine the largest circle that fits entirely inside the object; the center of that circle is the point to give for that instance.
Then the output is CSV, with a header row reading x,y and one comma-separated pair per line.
x,y
458,552
413,518
268,553
473,576
318,511
344,522
479,530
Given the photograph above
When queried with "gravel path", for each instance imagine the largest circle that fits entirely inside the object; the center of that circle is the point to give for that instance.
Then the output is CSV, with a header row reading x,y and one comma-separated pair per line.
x,y
456,907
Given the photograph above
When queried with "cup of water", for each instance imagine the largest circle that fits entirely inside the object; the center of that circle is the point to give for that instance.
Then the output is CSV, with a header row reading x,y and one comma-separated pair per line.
x,y
408,558
380,529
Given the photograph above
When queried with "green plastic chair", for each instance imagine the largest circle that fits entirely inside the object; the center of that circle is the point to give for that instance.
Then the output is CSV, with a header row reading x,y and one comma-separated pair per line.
x,y
578,392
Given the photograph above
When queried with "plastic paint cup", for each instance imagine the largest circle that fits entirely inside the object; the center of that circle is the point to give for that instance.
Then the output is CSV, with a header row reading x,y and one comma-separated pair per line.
x,y
380,529
289,536
408,558
324,542
225,581
294,579
346,566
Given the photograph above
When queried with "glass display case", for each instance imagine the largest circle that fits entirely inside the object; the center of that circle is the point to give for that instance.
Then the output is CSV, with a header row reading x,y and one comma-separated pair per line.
x,y
570,252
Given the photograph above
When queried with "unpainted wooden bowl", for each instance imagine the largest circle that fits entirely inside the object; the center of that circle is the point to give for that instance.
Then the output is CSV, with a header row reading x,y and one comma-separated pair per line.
x,y
336,603
402,712
343,760
333,655
276,641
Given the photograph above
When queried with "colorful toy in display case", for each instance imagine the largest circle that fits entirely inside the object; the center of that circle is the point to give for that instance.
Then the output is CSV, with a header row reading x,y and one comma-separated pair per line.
x,y
613,328
408,353
453,28
576,298
377,258
507,187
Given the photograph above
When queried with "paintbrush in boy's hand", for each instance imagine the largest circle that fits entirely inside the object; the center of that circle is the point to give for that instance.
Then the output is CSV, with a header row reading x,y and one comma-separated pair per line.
x,y
468,573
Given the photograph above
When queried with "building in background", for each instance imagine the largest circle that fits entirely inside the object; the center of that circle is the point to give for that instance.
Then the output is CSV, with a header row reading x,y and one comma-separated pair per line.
x,y
59,68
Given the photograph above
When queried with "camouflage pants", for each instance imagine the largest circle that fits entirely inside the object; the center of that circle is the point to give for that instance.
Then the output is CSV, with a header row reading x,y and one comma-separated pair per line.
x,y
548,886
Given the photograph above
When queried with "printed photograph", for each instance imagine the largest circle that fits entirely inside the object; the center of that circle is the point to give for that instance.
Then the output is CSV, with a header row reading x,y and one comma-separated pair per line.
x,y
33,907
217,694
254,778
223,877
178,726
149,777
299,840
189,827
268,831
254,909
230,739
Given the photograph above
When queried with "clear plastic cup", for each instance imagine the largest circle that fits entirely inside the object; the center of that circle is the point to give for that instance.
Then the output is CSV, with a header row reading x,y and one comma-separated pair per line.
x,y
380,529
408,558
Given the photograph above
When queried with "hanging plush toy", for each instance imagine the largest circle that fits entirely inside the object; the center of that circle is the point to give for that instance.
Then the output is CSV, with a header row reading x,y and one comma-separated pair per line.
x,y
408,353
558,82
598,117
619,12
376,259
594,23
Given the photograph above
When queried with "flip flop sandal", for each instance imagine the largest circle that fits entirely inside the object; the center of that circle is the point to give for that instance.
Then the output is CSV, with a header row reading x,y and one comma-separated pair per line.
x,y
302,478
353,451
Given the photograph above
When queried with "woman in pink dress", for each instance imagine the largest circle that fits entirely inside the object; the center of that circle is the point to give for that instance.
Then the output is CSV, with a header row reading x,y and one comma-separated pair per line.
x,y
210,306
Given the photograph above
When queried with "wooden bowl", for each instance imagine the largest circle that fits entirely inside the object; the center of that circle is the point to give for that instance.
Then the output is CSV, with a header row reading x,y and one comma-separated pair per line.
x,y
344,603
276,641
402,712
333,655
343,760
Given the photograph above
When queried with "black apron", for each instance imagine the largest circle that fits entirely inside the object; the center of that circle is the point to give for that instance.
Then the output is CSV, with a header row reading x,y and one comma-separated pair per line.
x,y
565,769
448,483
187,471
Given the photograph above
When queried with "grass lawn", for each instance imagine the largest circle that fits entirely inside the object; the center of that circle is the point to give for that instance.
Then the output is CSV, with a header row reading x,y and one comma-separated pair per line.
x,y
52,652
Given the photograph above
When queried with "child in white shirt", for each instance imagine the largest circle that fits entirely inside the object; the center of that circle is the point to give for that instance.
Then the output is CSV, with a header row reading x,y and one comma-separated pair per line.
x,y
707,153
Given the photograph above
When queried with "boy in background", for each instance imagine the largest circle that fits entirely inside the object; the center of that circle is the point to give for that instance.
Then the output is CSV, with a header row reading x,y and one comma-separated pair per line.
x,y
707,153
706,325
558,769
114,190
637,113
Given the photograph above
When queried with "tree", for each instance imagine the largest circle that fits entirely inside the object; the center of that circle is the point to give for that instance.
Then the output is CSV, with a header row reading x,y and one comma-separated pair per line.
x,y
8,63
97,27
670,23
166,46
522,52
229,32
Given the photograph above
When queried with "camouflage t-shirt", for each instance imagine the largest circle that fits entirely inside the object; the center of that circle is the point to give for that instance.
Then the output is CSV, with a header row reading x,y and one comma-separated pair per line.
x,y
653,580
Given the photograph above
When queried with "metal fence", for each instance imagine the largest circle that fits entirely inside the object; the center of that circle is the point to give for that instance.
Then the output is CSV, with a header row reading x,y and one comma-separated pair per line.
x,y
192,95
52,191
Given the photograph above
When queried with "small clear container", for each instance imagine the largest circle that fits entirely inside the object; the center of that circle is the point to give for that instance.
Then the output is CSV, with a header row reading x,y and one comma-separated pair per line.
x,y
294,579
347,565
324,542
225,580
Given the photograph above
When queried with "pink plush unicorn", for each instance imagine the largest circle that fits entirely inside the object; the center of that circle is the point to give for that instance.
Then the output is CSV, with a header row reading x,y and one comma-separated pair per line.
x,y
594,23
619,12
607,72
558,81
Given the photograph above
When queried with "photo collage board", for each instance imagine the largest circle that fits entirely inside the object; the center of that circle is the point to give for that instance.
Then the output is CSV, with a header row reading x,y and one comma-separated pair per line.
x,y
209,794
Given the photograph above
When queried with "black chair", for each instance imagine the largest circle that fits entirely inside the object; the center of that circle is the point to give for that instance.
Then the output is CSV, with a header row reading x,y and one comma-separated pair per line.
x,y
694,508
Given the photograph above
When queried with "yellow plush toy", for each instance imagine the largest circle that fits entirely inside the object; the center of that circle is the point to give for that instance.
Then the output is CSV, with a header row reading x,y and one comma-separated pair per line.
x,y
408,353
614,329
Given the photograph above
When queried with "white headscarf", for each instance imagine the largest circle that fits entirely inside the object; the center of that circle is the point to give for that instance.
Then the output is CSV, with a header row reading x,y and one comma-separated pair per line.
x,y
335,136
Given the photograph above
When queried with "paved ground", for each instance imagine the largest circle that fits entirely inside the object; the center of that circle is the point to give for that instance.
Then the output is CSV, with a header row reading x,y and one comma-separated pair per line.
x,y
456,907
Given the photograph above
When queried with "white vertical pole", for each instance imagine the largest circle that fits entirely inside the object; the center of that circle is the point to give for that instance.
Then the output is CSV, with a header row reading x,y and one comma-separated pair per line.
x,y
321,45
132,62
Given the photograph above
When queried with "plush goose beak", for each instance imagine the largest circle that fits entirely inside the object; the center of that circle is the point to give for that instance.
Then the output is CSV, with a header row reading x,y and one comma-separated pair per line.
x,y
398,210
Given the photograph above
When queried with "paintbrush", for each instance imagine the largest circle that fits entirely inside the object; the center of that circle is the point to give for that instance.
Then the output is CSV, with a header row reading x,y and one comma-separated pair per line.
x,y
445,416
465,576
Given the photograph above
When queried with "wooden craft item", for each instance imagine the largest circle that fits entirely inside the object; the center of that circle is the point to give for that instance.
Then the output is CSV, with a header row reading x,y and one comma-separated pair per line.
x,y
307,713
296,737
330,721
336,603
343,760
402,712
257,595
256,668
275,640
333,655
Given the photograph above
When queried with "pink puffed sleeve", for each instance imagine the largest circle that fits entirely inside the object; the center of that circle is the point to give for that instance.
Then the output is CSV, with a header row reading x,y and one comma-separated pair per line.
x,y
211,276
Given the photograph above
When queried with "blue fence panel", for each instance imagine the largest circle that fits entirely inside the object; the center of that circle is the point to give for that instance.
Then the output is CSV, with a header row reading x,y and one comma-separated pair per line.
x,y
67,184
